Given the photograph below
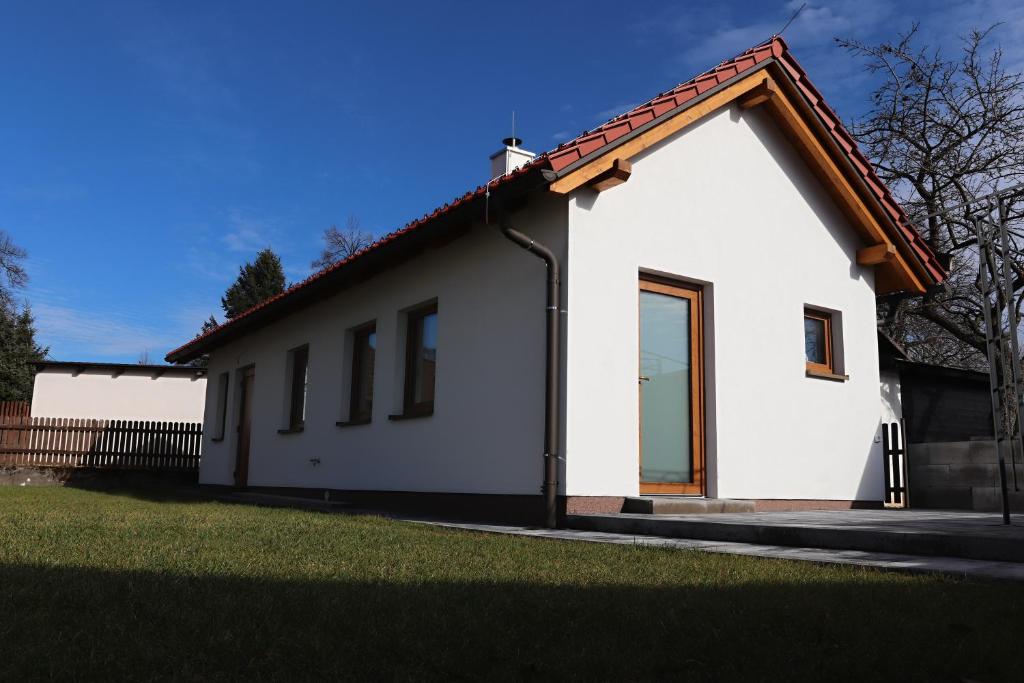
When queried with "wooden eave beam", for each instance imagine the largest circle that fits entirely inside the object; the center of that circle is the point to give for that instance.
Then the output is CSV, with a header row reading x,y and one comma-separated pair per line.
x,y
616,175
876,254
759,95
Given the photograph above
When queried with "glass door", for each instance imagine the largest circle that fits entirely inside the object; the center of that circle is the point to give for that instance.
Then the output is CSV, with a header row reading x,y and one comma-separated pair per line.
x,y
671,391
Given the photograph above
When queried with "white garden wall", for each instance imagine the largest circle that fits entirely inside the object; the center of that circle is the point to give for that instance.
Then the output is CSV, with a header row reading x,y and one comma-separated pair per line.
x,y
485,435
727,203
98,393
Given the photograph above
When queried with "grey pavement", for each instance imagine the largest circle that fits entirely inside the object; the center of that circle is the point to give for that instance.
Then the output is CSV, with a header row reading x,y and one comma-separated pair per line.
x,y
1009,571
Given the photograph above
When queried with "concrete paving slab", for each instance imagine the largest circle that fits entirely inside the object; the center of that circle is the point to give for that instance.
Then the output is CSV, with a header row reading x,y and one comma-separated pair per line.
x,y
971,535
1004,571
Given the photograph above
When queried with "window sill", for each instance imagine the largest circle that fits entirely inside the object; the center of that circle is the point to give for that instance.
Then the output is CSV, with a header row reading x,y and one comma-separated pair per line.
x,y
410,416
352,423
823,374
292,430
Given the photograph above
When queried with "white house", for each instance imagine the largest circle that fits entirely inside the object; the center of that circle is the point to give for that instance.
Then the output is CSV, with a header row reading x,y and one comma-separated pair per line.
x,y
119,391
697,317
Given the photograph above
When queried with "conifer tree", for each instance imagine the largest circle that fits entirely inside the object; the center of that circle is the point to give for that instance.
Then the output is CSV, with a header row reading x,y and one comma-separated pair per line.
x,y
257,282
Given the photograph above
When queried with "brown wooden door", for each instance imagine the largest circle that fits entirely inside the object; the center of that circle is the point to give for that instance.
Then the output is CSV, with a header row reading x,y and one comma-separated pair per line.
x,y
671,389
247,386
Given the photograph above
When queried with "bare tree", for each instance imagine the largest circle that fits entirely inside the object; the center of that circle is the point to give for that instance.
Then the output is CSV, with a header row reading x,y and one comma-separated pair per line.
x,y
341,244
941,132
144,358
12,272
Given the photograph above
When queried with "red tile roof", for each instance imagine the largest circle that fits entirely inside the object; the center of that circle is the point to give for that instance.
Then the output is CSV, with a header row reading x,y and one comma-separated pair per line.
x,y
593,143
586,144
589,143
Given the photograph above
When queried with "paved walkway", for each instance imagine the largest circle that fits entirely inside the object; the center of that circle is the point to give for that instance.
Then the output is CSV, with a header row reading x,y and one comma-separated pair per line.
x,y
945,522
912,522
969,535
1010,571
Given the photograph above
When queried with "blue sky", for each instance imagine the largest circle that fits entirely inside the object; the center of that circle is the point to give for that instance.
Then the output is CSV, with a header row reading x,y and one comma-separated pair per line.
x,y
148,149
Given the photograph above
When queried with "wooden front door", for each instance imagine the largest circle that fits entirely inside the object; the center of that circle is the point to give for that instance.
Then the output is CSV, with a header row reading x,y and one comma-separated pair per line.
x,y
671,389
246,386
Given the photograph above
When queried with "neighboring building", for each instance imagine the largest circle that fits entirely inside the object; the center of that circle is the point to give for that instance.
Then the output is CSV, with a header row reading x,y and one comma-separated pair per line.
x,y
119,391
720,250
936,403
946,413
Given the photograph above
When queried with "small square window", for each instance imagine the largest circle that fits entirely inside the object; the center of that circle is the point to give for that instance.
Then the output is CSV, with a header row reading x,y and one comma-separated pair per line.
x,y
818,341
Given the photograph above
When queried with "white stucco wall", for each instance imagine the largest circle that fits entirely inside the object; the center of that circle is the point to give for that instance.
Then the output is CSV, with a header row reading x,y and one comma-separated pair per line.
x,y
97,394
485,435
892,400
730,204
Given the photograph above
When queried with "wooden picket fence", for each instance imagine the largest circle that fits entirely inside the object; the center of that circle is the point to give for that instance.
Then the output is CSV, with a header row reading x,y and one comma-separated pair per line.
x,y
12,413
10,410
109,444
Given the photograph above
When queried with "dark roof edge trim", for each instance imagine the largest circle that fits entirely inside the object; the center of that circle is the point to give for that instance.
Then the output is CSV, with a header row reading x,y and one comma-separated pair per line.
x,y
94,365
331,280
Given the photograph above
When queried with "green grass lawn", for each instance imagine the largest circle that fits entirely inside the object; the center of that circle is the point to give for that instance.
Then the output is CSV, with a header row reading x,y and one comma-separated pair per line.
x,y
96,585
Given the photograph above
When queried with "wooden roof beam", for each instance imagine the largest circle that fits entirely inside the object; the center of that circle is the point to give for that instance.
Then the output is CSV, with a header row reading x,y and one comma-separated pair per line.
x,y
876,254
616,175
759,95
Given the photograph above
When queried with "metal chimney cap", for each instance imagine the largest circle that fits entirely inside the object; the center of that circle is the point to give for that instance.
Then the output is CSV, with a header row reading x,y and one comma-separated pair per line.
x,y
512,142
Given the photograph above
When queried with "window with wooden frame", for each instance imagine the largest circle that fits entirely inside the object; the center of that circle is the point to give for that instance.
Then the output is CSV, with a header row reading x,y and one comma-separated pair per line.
x,y
222,406
298,375
364,352
818,348
420,362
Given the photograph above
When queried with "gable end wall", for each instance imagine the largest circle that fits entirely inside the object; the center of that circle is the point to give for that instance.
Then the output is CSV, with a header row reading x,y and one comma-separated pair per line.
x,y
730,204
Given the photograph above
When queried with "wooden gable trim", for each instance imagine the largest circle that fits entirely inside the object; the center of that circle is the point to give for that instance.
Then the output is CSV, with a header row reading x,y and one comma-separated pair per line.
x,y
892,274
629,149
895,272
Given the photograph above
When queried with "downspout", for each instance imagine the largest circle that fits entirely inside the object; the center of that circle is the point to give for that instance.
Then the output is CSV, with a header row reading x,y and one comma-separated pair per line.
x,y
551,372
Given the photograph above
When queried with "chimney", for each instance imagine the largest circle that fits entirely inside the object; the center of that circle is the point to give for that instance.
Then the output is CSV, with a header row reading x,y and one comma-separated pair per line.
x,y
510,158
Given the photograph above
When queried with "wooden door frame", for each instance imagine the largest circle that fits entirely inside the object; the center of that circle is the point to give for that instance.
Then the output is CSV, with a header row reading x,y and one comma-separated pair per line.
x,y
695,294
246,380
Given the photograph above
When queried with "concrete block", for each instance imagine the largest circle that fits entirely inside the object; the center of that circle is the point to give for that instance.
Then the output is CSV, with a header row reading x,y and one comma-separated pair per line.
x,y
982,452
928,475
31,476
988,499
939,453
973,475
681,505
941,498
